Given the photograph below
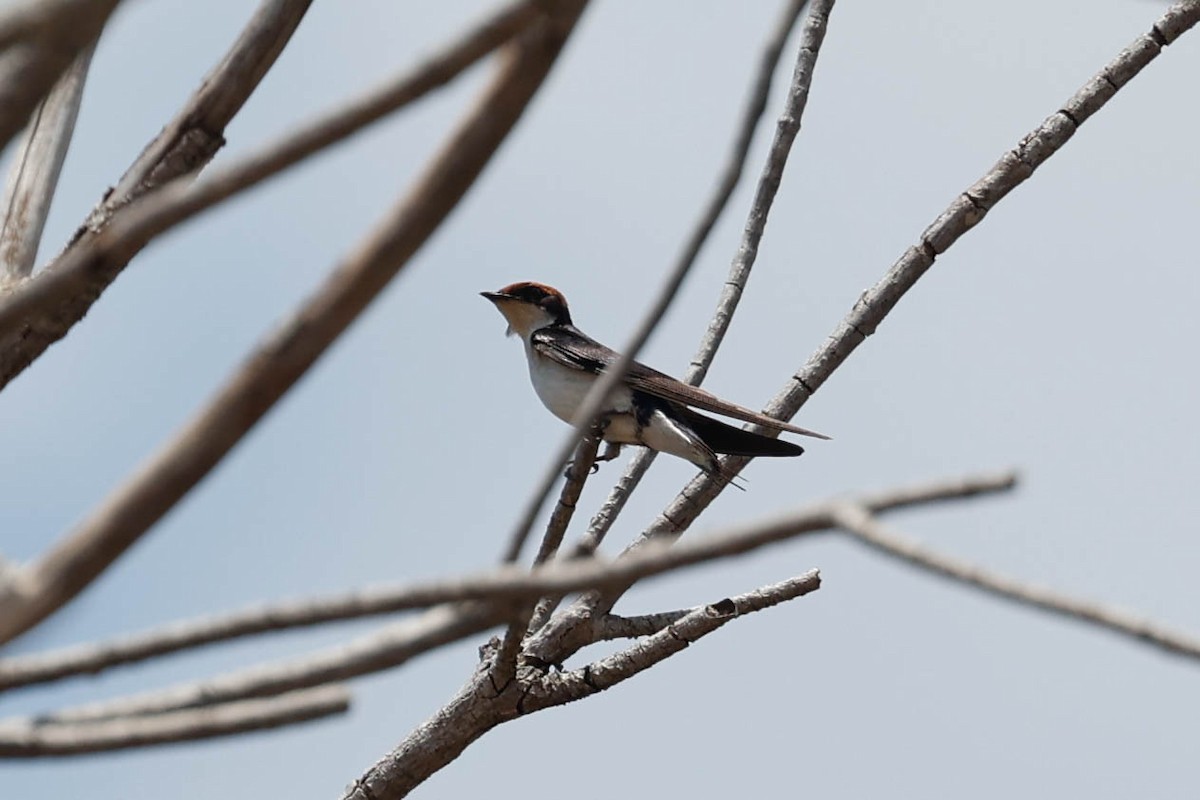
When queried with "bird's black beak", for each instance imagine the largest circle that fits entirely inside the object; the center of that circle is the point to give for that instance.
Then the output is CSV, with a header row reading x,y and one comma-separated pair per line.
x,y
496,297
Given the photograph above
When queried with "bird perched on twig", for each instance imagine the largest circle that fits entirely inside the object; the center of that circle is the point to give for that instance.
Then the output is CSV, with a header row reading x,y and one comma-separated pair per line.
x,y
648,408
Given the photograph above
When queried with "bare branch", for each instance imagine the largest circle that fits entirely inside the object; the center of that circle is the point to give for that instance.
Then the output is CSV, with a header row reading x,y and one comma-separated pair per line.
x,y
1013,168
44,307
383,649
36,165
862,525
787,127
581,466
40,42
577,474
295,346
91,658
31,739
574,685
612,626
481,705
395,644
69,281
504,667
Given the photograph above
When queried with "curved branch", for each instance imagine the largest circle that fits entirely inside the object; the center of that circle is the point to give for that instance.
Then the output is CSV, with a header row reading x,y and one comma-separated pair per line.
x,y
276,365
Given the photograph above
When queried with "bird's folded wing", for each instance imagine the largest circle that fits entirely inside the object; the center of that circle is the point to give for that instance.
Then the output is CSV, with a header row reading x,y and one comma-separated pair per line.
x,y
660,385
574,349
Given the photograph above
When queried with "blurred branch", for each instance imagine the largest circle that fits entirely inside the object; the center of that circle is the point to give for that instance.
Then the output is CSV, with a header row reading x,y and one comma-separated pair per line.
x,y
40,310
786,129
36,166
593,402
395,644
863,526
382,649
76,278
287,354
40,41
30,739
480,706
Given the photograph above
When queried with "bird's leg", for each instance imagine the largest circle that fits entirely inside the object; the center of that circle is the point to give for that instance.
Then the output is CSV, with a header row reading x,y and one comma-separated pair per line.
x,y
611,449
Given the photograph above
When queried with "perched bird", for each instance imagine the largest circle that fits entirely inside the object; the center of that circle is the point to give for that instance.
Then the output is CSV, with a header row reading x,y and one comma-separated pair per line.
x,y
649,408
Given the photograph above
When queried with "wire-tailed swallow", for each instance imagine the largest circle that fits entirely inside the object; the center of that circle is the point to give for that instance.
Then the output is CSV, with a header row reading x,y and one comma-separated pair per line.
x,y
649,408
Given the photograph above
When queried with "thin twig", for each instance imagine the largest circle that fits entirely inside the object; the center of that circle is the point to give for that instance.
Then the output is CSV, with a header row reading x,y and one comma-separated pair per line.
x,y
41,43
48,305
276,365
787,128
36,165
581,465
504,667
863,526
480,705
32,739
395,644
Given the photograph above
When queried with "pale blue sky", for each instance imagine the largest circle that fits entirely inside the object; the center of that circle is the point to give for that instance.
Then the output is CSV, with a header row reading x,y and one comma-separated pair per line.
x,y
1058,337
